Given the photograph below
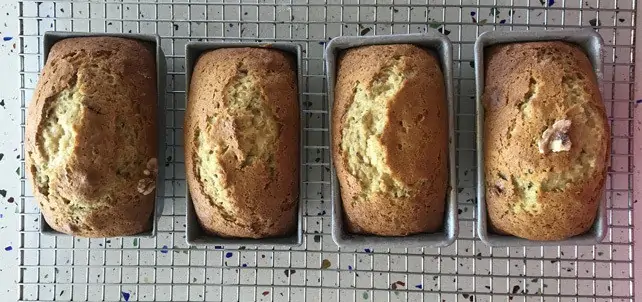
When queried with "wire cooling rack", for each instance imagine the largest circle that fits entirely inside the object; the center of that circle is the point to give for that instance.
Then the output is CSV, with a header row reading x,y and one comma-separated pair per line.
x,y
166,269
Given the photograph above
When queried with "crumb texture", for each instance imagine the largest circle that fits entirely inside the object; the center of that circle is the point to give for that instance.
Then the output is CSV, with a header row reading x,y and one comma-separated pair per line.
x,y
390,107
90,134
242,142
546,140
254,135
58,133
365,121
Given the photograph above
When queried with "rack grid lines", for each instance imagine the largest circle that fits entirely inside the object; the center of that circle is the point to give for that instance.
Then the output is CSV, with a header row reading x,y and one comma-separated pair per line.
x,y
166,269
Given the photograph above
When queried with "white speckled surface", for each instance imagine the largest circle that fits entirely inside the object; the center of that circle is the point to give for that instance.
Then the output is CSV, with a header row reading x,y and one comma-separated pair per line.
x,y
165,268
9,149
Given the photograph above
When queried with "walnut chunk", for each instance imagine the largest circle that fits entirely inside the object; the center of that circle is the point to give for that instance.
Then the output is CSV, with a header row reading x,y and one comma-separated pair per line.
x,y
146,186
499,186
555,138
151,168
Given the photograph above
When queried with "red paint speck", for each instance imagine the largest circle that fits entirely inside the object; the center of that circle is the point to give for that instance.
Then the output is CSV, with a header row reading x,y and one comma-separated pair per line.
x,y
10,200
265,293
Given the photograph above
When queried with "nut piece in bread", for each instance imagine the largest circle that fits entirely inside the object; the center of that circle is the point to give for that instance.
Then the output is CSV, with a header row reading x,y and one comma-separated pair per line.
x,y
242,142
390,139
91,131
546,140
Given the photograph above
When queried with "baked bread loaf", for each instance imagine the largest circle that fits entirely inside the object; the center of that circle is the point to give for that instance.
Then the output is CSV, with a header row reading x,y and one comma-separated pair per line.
x,y
546,140
390,139
242,142
91,137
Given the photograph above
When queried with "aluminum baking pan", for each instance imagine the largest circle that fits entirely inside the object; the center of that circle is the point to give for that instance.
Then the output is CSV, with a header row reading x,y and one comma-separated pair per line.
x,y
441,46
592,44
154,43
194,233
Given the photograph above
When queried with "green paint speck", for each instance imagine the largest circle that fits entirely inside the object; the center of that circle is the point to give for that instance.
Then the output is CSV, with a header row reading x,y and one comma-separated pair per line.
x,y
435,25
365,295
135,241
325,264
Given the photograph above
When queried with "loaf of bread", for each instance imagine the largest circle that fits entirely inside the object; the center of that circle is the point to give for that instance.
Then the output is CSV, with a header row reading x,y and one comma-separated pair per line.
x,y
546,140
242,142
91,137
390,139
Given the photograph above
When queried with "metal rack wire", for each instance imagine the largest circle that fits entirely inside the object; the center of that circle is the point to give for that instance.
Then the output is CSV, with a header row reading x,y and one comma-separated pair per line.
x,y
166,269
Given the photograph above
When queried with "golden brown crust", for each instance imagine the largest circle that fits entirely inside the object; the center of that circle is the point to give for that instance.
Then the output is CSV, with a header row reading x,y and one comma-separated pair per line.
x,y
529,88
414,139
246,183
93,192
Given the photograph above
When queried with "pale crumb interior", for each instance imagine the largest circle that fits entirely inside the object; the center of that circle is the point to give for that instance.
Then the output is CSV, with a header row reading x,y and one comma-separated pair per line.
x,y
59,130
254,132
530,184
364,124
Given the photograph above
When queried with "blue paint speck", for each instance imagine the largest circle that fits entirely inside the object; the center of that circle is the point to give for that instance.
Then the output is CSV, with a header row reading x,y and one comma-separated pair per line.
x,y
164,249
7,38
1,216
218,247
228,255
551,2
349,267
502,21
9,248
126,295
473,14
419,286
638,101
368,250
244,265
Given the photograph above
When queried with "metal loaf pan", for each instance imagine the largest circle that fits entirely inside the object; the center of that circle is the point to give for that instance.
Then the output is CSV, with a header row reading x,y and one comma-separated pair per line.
x,y
194,233
154,44
440,45
592,44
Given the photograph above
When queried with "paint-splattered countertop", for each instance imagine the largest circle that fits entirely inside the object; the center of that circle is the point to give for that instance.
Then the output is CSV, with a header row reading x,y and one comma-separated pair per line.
x,y
9,150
